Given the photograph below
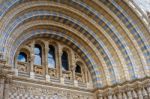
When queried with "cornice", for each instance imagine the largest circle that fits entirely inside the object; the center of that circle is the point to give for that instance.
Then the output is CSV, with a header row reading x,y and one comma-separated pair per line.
x,y
125,87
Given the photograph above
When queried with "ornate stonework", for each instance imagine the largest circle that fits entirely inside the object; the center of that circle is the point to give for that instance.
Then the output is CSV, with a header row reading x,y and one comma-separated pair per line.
x,y
26,90
26,67
74,49
127,91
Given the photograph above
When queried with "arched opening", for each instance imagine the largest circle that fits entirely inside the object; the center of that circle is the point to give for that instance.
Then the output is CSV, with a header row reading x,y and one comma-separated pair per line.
x,y
64,61
23,61
37,54
78,69
78,72
22,57
51,62
51,57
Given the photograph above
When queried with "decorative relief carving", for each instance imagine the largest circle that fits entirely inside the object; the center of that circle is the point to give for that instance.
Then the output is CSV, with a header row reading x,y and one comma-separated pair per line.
x,y
38,69
76,56
52,72
79,77
50,64
50,92
67,75
135,90
22,66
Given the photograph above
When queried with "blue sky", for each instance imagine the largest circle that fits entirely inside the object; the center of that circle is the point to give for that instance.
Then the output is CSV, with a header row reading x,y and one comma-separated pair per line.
x,y
143,4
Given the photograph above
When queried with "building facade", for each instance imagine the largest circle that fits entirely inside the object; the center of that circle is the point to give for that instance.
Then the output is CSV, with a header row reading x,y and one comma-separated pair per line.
x,y
74,49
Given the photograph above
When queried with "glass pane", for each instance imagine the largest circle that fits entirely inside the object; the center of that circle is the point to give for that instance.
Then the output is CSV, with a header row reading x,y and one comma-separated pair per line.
x,y
37,60
37,50
64,59
22,57
51,57
78,69
38,55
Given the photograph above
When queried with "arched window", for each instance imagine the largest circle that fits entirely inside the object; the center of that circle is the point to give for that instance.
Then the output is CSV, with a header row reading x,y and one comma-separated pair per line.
x,y
22,57
64,61
38,54
51,57
78,69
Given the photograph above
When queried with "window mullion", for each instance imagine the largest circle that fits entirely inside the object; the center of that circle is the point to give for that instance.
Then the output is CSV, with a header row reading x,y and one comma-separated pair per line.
x,y
32,59
46,57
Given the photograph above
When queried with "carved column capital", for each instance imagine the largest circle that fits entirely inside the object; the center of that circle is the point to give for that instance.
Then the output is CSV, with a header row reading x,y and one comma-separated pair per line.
x,y
129,94
110,92
100,96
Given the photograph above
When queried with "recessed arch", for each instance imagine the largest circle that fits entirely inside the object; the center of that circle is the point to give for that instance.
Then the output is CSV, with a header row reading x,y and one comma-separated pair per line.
x,y
54,35
39,31
65,60
22,57
109,36
25,54
79,67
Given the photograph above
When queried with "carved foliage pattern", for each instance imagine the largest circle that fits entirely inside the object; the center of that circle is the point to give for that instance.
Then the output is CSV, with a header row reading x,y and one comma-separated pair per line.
x,y
49,92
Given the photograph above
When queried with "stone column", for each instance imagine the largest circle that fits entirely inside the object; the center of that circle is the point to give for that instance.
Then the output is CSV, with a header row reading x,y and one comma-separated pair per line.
x,y
124,95
46,61
73,73
105,97
100,94
110,97
6,87
59,64
16,66
119,95
73,67
32,60
145,94
129,94
1,87
86,75
134,94
89,83
72,64
59,53
109,93
100,97
148,89
83,73
140,94
114,97
88,80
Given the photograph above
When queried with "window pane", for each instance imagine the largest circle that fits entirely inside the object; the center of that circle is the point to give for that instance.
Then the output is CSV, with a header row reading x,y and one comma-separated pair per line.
x,y
51,57
78,69
22,57
38,55
64,59
37,50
